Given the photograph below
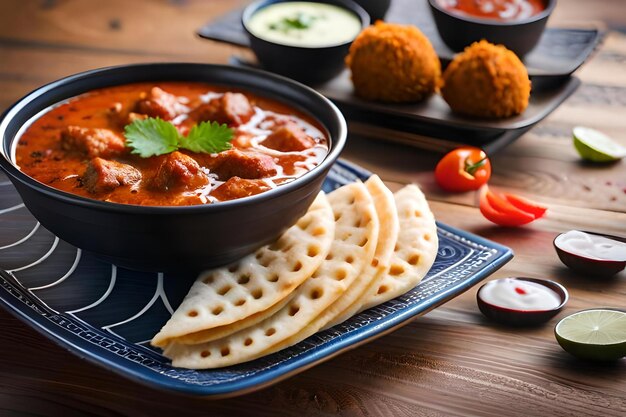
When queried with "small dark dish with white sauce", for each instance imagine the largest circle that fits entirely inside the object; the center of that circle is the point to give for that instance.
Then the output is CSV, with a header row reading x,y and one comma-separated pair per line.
x,y
304,40
521,301
591,254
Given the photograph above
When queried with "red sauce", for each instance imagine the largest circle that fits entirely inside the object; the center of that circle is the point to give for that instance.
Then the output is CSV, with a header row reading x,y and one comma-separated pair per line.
x,y
503,10
45,153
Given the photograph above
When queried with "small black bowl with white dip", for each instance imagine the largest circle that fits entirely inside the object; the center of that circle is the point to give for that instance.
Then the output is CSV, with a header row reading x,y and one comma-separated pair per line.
x,y
521,301
304,40
591,254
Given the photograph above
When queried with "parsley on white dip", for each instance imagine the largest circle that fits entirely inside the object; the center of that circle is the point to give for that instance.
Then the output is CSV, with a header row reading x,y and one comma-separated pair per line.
x,y
304,24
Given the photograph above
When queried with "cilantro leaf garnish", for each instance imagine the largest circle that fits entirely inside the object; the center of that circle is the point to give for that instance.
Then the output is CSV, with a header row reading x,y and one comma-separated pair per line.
x,y
298,22
150,137
207,137
154,136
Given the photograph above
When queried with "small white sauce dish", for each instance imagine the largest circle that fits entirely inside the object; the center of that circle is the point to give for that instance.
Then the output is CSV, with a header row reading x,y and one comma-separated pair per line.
x,y
521,301
592,254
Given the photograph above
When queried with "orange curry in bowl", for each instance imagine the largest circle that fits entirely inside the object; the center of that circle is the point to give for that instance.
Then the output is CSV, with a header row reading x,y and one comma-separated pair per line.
x,y
81,146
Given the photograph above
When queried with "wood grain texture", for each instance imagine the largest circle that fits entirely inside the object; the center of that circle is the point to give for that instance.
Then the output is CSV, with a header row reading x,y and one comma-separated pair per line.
x,y
450,362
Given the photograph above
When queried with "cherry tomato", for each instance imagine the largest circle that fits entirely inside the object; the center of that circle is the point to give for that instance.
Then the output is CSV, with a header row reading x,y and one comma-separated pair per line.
x,y
508,209
463,169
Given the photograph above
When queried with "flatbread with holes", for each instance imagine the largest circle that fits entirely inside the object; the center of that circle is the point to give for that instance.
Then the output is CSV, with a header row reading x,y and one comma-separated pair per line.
x,y
356,236
257,282
415,250
349,303
368,281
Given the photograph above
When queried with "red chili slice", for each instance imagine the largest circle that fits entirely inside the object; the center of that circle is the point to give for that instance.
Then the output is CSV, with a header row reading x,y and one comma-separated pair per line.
x,y
500,210
526,205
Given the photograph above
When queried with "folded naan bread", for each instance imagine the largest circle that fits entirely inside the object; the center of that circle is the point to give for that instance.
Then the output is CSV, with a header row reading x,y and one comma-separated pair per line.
x,y
416,248
226,299
367,283
356,236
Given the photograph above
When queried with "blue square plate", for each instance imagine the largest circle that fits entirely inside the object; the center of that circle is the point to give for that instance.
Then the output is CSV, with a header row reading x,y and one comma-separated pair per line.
x,y
108,315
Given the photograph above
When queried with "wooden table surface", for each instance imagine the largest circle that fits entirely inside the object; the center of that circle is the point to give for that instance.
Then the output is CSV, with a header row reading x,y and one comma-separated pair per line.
x,y
449,362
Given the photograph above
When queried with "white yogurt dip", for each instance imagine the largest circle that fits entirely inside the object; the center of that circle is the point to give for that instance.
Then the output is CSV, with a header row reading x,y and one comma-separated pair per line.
x,y
304,24
518,294
591,246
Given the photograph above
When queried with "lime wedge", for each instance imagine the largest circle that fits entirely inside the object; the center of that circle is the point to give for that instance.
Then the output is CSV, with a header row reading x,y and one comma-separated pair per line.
x,y
596,146
598,334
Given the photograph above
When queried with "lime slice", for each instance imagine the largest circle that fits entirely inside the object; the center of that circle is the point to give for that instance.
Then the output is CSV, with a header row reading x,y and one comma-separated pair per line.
x,y
593,334
596,146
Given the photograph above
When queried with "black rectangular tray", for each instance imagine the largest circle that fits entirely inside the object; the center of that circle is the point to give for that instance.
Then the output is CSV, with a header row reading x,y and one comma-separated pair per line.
x,y
559,53
431,124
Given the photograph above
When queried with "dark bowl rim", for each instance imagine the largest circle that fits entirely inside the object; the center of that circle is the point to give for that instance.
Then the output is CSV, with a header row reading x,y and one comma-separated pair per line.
x,y
10,167
564,295
585,258
544,14
349,5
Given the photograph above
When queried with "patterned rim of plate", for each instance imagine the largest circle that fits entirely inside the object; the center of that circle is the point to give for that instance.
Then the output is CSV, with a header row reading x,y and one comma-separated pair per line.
x,y
142,364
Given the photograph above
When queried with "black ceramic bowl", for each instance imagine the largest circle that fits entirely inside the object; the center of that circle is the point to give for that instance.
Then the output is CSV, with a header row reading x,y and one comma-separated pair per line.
x,y
520,36
307,64
377,9
520,318
171,238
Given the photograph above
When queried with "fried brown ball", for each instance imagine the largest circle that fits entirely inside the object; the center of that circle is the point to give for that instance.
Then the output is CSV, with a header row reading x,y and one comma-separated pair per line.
x,y
393,63
486,80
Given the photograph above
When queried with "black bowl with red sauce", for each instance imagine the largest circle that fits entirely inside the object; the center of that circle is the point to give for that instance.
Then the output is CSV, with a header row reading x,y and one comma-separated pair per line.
x,y
162,237
459,28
